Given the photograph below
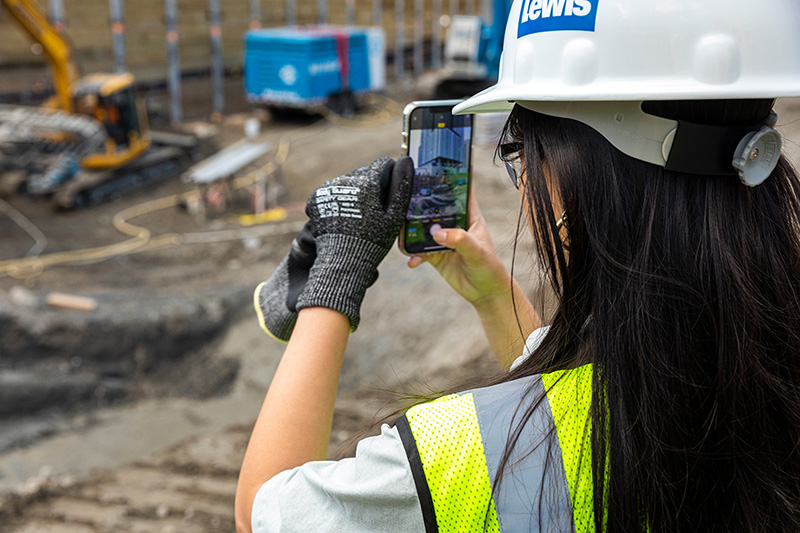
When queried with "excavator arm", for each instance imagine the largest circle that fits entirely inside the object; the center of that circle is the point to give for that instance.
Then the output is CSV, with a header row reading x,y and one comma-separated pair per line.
x,y
32,19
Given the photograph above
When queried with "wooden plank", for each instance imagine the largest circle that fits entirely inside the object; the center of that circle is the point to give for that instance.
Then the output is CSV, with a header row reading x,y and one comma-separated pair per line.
x,y
71,301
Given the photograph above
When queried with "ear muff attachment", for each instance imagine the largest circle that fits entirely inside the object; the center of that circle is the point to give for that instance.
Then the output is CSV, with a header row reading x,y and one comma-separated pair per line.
x,y
706,150
757,155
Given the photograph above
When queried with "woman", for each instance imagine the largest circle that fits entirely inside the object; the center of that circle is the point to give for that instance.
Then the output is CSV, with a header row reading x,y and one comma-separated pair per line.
x,y
665,396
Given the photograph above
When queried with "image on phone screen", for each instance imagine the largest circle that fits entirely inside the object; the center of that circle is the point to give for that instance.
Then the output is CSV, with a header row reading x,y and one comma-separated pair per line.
x,y
440,145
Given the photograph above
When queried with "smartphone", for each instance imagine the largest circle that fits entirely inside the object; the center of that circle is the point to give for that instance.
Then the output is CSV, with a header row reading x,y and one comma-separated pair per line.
x,y
440,144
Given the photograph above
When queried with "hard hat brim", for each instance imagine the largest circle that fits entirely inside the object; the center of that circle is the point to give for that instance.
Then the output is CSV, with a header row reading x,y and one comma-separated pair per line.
x,y
491,100
500,98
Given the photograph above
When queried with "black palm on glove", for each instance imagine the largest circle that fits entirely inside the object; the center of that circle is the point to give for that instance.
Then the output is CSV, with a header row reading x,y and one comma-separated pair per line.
x,y
299,262
276,298
354,220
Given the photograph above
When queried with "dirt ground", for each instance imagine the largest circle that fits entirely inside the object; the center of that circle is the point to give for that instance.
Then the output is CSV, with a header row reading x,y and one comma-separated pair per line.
x,y
135,417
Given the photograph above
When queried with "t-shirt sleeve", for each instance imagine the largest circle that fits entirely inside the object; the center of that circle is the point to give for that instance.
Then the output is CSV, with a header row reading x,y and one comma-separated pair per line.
x,y
373,491
533,341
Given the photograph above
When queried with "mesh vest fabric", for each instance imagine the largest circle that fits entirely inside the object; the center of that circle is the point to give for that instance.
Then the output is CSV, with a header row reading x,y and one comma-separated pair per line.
x,y
570,395
451,451
447,438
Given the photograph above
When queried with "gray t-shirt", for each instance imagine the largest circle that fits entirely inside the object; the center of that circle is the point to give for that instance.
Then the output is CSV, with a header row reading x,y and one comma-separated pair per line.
x,y
371,492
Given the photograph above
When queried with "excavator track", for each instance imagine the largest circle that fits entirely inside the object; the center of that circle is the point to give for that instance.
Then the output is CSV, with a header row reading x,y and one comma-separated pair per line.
x,y
94,187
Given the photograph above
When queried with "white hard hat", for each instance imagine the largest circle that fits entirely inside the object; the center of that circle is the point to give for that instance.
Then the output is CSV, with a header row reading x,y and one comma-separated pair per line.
x,y
596,60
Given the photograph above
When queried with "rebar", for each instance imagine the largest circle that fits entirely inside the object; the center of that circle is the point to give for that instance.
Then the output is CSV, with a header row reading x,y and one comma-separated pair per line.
x,y
215,32
117,10
173,60
399,38
419,30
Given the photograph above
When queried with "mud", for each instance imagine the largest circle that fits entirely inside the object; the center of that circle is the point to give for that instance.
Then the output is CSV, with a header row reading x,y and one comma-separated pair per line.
x,y
135,418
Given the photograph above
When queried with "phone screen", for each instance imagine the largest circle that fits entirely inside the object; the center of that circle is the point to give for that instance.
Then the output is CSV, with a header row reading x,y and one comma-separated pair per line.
x,y
440,144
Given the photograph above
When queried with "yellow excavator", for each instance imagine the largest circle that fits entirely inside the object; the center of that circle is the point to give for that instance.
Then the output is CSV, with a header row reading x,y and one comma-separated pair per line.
x,y
107,99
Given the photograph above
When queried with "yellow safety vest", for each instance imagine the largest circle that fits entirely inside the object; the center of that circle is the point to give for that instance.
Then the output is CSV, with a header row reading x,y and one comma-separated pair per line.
x,y
455,444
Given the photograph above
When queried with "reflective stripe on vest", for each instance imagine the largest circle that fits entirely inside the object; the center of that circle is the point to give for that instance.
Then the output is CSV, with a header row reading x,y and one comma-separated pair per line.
x,y
455,445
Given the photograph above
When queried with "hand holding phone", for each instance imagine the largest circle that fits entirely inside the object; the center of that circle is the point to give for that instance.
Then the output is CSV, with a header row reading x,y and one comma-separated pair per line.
x,y
440,145
475,270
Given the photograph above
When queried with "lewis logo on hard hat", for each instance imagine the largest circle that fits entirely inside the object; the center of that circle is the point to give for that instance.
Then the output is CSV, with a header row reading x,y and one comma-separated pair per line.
x,y
539,16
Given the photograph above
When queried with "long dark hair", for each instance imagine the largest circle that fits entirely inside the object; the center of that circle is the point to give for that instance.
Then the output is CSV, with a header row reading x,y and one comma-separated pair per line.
x,y
684,293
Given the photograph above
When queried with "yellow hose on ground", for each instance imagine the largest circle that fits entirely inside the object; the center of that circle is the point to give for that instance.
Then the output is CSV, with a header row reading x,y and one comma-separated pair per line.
x,y
141,240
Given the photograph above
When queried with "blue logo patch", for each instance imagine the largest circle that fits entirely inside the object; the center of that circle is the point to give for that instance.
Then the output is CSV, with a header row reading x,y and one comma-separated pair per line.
x,y
557,15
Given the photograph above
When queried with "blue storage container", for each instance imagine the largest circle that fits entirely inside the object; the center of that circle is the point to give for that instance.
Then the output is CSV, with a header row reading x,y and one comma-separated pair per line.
x,y
303,66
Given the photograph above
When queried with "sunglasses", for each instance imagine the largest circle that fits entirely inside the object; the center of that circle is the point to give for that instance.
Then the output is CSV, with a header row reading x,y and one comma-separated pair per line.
x,y
511,154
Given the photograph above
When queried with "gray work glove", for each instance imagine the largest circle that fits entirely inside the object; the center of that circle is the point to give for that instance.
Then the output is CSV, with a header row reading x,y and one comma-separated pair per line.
x,y
276,299
355,219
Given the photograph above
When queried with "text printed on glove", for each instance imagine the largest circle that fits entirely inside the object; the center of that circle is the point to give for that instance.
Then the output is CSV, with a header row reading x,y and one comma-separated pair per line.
x,y
338,201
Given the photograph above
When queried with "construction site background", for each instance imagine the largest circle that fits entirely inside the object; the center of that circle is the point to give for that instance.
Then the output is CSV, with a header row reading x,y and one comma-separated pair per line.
x,y
88,27
132,414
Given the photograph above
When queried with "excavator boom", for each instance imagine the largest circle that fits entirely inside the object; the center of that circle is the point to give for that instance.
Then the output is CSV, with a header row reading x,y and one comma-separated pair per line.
x,y
99,144
32,19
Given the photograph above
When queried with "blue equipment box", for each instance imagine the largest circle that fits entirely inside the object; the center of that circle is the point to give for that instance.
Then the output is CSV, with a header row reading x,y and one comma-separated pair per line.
x,y
303,66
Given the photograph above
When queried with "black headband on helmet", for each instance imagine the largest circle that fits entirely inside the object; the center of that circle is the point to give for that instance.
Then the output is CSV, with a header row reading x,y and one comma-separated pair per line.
x,y
751,151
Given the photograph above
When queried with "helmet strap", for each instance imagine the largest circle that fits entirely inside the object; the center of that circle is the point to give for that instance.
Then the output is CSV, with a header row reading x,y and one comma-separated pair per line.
x,y
752,151
747,151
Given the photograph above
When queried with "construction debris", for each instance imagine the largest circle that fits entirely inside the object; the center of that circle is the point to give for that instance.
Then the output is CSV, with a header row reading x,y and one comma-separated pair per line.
x,y
72,302
227,162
